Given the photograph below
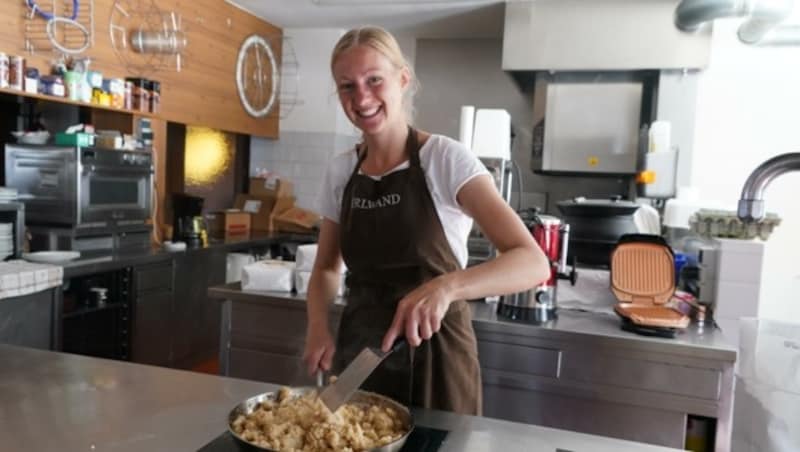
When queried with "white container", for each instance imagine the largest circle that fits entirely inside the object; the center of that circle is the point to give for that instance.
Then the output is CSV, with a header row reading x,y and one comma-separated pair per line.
x,y
301,280
31,85
678,211
235,263
268,275
305,257
664,166
492,136
660,136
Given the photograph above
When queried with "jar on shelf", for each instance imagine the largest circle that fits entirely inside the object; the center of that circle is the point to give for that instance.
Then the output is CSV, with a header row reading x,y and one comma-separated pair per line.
x,y
115,88
3,70
96,95
72,83
32,80
16,72
140,94
155,96
52,85
128,95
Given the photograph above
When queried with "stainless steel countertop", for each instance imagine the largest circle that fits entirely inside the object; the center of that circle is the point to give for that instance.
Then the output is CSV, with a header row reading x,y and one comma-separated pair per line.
x,y
98,262
53,401
603,329
594,328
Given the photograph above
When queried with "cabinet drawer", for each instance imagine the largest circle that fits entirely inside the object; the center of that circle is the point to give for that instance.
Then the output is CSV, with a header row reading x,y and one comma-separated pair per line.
x,y
261,327
539,361
666,378
616,420
268,367
154,277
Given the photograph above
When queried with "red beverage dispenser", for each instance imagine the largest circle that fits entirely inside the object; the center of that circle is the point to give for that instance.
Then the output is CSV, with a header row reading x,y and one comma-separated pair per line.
x,y
539,304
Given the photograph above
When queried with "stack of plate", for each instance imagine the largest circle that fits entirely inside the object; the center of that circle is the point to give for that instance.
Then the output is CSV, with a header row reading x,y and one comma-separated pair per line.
x,y
8,194
6,240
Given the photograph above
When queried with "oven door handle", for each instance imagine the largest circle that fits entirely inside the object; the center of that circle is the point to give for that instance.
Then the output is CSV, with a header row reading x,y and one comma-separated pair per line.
x,y
42,164
117,169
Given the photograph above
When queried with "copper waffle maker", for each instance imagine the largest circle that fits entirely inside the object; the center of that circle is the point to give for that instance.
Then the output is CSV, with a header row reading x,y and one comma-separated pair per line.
x,y
643,280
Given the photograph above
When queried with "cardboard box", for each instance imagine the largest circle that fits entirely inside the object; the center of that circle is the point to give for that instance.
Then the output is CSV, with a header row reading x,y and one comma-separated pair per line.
x,y
297,220
237,222
264,209
271,186
215,223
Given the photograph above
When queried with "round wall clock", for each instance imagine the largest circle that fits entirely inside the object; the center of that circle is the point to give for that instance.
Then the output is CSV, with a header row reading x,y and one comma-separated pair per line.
x,y
257,76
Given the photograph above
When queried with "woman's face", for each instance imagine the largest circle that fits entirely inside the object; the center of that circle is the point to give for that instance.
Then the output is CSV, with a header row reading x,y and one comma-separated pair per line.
x,y
370,89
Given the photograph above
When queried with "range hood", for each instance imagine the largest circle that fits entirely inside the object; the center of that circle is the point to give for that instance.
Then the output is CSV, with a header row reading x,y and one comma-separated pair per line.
x,y
599,35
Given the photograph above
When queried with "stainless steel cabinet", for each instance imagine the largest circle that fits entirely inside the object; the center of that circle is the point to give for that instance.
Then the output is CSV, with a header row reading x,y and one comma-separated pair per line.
x,y
28,320
197,317
153,314
582,374
605,390
176,324
263,336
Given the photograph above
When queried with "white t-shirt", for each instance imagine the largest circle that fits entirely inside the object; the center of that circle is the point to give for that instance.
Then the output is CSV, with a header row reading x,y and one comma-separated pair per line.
x,y
447,164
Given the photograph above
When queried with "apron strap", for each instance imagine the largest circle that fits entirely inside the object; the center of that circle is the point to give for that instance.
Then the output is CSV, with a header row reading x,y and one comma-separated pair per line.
x,y
412,148
362,154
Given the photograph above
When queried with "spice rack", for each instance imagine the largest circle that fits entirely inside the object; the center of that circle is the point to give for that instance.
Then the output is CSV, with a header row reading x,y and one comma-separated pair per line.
x,y
64,100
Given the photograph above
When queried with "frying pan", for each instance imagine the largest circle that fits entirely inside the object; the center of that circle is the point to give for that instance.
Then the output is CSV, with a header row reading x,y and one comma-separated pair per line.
x,y
248,406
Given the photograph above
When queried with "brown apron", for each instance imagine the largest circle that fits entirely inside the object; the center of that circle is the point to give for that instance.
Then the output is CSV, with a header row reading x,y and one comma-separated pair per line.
x,y
392,241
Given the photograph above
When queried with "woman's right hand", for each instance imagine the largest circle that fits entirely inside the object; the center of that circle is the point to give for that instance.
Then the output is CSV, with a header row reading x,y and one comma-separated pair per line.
x,y
319,349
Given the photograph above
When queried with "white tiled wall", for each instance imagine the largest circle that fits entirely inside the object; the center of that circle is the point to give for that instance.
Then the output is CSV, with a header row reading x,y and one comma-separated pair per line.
x,y
316,128
747,113
301,157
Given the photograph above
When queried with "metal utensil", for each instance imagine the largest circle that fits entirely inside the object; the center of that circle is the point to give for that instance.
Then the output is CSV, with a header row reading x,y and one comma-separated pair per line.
x,y
353,376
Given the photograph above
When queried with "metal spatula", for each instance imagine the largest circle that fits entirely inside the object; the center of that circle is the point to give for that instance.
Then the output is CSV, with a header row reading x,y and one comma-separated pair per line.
x,y
353,376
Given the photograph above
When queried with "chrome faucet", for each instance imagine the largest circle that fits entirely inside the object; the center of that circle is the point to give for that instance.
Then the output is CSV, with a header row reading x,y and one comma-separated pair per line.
x,y
751,203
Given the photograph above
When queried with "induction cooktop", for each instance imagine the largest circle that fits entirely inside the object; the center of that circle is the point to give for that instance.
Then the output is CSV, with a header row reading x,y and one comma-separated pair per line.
x,y
421,439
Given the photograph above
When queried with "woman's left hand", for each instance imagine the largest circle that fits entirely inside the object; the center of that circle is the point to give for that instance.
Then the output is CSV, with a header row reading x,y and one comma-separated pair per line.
x,y
419,314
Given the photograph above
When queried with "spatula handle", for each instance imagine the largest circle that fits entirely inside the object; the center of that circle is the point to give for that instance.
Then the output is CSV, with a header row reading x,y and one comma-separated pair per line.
x,y
398,344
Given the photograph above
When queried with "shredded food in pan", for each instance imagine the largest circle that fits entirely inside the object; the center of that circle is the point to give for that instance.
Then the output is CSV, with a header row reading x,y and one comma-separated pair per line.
x,y
304,424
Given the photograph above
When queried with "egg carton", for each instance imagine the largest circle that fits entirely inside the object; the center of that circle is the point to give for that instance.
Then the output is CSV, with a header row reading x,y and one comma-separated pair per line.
x,y
726,224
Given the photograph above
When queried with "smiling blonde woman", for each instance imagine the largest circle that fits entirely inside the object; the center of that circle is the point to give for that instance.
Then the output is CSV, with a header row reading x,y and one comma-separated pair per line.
x,y
398,209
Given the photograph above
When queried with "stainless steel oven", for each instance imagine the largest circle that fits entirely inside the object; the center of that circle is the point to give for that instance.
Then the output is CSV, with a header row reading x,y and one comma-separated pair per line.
x,y
115,186
81,187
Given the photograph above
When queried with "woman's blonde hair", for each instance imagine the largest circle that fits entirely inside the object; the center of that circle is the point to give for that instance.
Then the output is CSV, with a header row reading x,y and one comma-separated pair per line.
x,y
382,41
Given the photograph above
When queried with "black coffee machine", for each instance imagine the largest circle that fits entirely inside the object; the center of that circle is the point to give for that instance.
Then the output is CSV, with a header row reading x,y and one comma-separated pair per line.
x,y
186,210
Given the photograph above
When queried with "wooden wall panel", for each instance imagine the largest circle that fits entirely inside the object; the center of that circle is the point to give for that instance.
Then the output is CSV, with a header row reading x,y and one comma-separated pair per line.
x,y
159,127
204,92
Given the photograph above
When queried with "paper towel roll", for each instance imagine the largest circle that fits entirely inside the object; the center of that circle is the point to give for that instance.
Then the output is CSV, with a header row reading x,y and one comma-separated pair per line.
x,y
466,125
301,279
268,275
491,137
235,262
305,256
